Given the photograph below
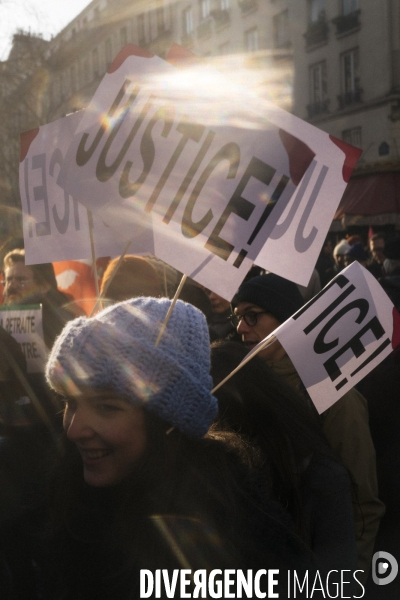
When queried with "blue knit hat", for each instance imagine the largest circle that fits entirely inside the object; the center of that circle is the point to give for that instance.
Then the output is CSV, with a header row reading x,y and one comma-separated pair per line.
x,y
115,350
357,252
273,293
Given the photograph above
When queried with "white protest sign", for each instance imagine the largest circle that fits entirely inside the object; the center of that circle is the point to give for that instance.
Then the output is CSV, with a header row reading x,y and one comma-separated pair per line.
x,y
340,335
55,225
25,325
220,185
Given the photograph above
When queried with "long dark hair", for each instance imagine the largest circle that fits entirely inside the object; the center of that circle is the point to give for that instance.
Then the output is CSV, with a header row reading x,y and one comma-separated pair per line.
x,y
259,405
189,503
215,479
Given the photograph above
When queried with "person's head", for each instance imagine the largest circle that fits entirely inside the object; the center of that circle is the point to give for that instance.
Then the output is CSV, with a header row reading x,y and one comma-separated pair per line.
x,y
196,295
339,253
376,246
262,304
134,277
327,248
259,404
218,304
112,374
392,255
25,283
356,252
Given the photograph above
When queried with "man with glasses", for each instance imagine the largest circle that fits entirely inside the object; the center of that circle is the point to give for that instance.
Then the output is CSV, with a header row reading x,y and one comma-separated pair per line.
x,y
36,284
20,284
260,306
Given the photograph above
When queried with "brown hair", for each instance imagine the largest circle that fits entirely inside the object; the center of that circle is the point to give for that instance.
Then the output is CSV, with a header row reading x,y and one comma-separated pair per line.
x,y
43,273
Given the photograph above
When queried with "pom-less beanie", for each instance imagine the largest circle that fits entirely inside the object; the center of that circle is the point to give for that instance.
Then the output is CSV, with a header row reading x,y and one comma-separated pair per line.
x,y
357,252
274,294
341,248
115,350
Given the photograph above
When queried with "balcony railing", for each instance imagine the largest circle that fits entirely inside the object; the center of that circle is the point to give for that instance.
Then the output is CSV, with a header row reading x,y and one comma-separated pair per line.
x,y
247,5
317,32
318,108
204,28
346,23
350,98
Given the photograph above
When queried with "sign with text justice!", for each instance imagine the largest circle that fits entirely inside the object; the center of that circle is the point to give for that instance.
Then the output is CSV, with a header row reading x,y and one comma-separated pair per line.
x,y
219,180
56,226
341,335
26,327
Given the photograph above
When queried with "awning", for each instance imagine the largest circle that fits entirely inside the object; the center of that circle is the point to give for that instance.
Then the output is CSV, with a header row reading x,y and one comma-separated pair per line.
x,y
371,195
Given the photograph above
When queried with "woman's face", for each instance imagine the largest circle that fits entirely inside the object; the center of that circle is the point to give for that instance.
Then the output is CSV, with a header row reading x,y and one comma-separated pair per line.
x,y
109,433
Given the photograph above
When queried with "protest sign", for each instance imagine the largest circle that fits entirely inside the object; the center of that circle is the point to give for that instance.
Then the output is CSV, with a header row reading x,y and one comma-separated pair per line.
x,y
220,182
340,335
24,323
55,225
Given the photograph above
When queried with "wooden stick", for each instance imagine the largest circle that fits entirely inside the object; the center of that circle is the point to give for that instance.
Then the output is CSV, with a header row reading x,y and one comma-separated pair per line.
x,y
175,298
94,262
117,266
165,282
267,342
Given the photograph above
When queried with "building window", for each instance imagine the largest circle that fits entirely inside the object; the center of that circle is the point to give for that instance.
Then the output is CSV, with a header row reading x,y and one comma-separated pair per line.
x,y
204,9
352,136
316,10
318,82
188,22
108,49
349,19
349,6
123,36
95,59
141,29
350,72
281,30
317,30
318,90
251,40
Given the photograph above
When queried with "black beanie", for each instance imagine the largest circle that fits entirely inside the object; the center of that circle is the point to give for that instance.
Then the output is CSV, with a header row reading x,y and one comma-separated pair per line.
x,y
274,294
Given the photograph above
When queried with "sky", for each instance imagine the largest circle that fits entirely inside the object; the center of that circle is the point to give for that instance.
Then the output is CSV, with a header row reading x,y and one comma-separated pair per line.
x,y
47,17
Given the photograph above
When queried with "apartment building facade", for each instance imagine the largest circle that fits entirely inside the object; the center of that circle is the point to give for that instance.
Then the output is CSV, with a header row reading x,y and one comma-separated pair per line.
x,y
347,82
335,63
247,39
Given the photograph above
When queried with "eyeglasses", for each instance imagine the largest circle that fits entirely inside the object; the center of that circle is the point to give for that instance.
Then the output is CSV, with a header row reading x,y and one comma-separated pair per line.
x,y
250,318
20,281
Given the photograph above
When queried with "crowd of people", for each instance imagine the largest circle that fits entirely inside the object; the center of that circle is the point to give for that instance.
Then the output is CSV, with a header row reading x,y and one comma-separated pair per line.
x,y
120,458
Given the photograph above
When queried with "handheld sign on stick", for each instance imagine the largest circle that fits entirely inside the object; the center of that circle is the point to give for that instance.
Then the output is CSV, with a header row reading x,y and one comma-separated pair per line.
x,y
214,191
338,337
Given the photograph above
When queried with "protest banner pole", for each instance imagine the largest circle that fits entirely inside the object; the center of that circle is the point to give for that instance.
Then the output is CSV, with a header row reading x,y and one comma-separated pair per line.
x,y
94,265
167,317
117,266
165,281
267,342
